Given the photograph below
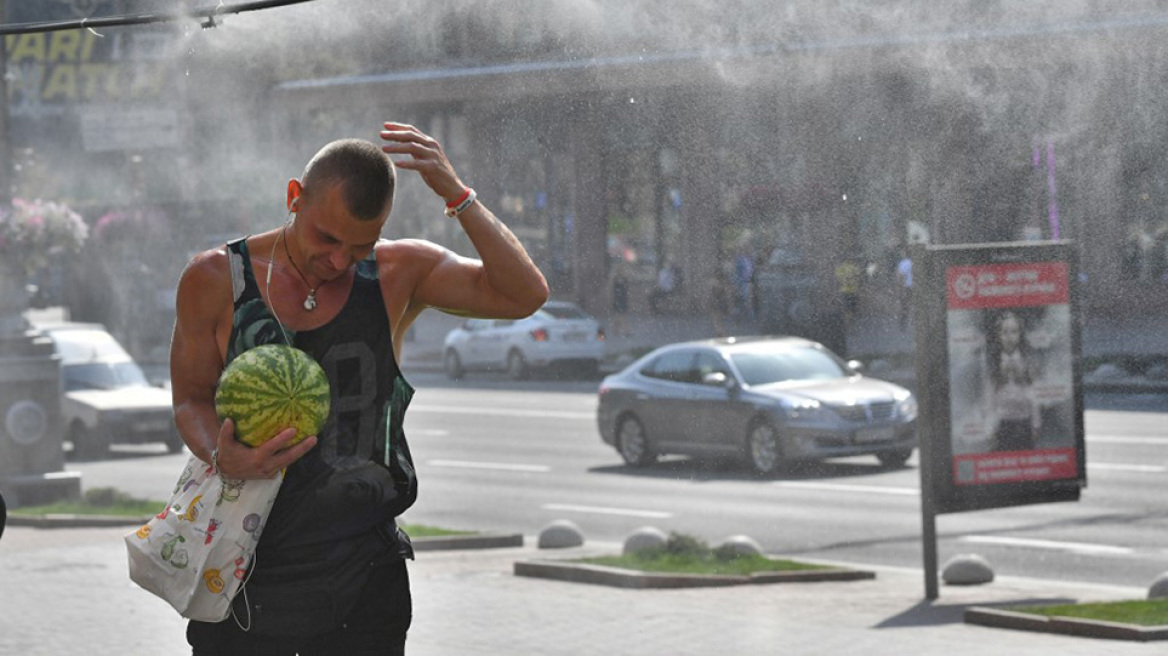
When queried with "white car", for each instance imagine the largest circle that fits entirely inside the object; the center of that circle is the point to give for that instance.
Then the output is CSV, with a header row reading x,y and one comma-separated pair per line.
x,y
559,333
106,397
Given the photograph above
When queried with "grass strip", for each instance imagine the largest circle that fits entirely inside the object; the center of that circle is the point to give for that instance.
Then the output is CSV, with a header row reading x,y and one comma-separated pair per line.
x,y
690,564
423,531
1149,612
97,501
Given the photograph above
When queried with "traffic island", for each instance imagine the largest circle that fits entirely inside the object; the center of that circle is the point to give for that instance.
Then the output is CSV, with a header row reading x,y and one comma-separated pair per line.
x,y
1076,626
576,572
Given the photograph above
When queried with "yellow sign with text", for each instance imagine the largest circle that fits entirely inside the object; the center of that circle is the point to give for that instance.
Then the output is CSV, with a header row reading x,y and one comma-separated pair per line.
x,y
81,66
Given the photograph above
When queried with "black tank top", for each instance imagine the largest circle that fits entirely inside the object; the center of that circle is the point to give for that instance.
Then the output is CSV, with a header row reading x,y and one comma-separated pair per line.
x,y
344,494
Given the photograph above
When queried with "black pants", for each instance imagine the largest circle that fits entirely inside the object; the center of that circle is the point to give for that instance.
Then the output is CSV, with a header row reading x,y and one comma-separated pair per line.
x,y
377,625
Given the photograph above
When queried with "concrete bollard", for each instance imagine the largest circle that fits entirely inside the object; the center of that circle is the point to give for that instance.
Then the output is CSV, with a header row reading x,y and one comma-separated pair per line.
x,y
646,537
741,545
1159,587
967,569
560,534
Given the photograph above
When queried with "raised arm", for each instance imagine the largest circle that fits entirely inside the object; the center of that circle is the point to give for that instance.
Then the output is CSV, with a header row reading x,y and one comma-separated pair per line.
x,y
504,282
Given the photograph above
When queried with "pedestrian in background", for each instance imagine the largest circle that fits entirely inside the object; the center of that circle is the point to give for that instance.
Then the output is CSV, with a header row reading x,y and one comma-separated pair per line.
x,y
847,277
744,284
618,291
667,284
720,300
904,274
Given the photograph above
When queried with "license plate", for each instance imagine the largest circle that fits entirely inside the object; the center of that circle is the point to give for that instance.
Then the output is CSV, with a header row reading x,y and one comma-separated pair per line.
x,y
575,337
866,435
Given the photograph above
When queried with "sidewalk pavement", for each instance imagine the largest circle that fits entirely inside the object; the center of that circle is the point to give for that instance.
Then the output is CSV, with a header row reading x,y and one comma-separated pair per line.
x,y
66,591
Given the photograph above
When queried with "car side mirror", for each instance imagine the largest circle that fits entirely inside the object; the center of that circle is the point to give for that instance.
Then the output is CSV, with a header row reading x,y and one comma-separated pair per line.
x,y
719,379
855,366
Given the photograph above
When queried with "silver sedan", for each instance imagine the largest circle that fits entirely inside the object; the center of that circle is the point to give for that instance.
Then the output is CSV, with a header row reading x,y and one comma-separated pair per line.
x,y
769,400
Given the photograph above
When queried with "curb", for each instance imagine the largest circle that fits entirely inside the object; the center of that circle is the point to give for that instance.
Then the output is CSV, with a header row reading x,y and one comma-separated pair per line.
x,y
1008,619
631,579
477,541
435,543
75,521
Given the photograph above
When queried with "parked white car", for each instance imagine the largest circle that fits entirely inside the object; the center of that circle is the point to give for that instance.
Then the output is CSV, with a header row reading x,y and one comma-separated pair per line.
x,y
106,397
559,333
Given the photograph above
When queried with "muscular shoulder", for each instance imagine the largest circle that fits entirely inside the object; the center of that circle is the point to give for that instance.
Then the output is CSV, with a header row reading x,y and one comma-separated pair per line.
x,y
408,251
207,278
208,266
409,258
403,266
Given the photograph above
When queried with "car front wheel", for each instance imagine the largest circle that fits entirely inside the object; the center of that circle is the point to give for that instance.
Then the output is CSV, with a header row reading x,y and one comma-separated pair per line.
x,y
87,445
763,452
453,365
516,365
174,443
894,459
633,444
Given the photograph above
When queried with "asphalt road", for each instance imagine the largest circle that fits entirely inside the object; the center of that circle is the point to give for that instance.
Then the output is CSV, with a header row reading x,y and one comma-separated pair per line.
x,y
497,455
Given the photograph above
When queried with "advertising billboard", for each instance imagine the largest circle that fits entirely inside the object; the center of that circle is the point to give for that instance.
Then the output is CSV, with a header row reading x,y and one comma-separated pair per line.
x,y
998,367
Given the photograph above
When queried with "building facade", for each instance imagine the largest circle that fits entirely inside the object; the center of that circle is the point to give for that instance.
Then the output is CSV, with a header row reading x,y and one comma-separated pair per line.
x,y
792,136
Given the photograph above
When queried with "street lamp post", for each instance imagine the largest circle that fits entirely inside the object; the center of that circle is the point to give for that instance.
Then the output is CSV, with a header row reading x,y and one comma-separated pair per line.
x,y
31,431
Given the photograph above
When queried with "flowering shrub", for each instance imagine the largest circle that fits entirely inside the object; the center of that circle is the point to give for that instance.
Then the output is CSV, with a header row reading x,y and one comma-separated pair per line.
x,y
130,225
34,232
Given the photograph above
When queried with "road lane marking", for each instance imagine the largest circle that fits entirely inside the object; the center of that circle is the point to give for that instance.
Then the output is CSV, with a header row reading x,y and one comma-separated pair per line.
x,y
599,510
1140,469
874,489
1127,439
504,412
1079,547
498,466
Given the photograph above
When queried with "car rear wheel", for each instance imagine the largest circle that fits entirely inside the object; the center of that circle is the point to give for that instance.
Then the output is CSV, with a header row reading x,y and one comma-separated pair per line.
x,y
174,443
87,445
894,459
763,451
516,365
633,444
453,365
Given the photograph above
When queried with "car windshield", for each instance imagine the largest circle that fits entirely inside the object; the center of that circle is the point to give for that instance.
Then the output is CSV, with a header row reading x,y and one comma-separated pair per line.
x,y
85,345
563,312
766,367
102,376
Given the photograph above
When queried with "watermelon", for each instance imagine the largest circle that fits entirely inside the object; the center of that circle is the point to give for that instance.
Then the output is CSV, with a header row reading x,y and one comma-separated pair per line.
x,y
269,388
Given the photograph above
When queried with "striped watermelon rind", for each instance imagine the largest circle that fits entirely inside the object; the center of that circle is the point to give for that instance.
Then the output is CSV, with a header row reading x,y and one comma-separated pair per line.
x,y
269,388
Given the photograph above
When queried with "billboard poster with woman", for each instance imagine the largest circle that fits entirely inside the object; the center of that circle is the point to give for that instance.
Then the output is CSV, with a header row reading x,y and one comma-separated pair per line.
x,y
1011,385
997,372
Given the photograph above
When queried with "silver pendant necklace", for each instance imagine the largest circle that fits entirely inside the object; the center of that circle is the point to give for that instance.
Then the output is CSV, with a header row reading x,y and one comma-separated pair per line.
x,y
310,300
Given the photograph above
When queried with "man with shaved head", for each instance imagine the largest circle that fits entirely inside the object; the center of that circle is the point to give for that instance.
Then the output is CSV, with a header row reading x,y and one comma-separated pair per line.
x,y
329,575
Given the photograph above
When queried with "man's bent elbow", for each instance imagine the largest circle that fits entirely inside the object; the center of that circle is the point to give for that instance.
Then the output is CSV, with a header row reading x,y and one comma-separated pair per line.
x,y
522,303
539,296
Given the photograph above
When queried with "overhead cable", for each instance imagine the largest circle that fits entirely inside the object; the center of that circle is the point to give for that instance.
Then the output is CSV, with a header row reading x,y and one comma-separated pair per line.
x,y
205,16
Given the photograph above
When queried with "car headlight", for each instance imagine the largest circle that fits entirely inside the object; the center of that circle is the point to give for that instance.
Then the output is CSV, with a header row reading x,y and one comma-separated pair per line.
x,y
906,408
806,410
